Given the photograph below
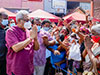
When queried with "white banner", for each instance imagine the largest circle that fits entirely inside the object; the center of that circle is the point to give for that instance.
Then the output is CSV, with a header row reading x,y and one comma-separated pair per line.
x,y
59,4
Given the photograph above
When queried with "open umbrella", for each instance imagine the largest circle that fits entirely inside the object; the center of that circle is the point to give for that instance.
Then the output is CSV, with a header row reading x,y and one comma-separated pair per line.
x,y
43,15
10,14
75,16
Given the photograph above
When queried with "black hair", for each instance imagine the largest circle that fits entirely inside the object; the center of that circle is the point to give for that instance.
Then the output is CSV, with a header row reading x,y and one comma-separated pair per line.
x,y
32,21
9,21
67,30
62,37
0,14
46,21
35,19
74,35
62,19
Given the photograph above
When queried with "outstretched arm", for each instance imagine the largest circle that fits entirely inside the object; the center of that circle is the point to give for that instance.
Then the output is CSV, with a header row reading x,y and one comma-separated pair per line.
x,y
95,61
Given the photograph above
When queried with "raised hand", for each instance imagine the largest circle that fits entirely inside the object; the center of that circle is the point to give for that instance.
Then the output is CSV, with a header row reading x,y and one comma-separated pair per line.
x,y
66,42
57,36
33,32
45,40
53,25
88,43
56,52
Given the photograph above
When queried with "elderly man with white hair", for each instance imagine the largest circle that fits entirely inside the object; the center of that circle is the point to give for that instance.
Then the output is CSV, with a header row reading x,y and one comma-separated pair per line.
x,y
21,44
94,54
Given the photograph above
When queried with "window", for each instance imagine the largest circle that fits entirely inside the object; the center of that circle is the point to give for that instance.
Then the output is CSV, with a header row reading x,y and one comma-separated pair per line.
x,y
35,0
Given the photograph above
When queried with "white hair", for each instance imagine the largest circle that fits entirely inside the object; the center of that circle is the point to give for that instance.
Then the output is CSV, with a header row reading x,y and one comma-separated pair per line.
x,y
96,28
20,14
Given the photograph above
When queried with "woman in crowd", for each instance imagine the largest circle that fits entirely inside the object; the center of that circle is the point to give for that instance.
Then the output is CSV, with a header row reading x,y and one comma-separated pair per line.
x,y
93,53
58,58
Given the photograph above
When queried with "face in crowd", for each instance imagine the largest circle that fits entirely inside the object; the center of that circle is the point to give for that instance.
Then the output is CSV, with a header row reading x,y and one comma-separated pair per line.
x,y
22,19
11,23
64,32
5,19
37,21
96,33
46,25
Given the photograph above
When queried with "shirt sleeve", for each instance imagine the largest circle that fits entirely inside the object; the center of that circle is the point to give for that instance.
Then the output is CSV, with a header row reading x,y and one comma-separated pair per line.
x,y
49,37
11,38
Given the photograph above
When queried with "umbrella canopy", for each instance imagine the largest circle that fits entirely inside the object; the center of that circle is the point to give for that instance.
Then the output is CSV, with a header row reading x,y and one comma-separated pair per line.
x,y
10,14
43,15
94,19
75,16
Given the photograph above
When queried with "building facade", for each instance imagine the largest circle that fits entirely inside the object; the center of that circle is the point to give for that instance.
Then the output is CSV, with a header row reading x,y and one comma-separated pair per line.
x,y
84,4
80,0
56,7
22,4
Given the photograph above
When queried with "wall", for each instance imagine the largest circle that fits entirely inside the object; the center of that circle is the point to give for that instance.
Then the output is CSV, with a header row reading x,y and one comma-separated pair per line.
x,y
85,6
32,5
80,0
10,3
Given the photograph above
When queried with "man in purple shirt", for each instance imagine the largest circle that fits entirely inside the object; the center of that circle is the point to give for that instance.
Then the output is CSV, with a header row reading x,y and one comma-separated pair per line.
x,y
21,44
44,39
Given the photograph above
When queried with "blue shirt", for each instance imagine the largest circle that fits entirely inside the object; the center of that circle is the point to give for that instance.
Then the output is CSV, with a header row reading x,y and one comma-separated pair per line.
x,y
57,58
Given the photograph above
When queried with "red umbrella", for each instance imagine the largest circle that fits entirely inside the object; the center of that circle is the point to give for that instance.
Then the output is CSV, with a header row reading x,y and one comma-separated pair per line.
x,y
10,14
44,15
94,19
75,16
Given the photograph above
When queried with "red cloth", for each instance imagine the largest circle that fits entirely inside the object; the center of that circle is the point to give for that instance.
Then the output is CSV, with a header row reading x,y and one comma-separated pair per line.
x,y
10,14
2,26
45,15
75,16
60,24
66,37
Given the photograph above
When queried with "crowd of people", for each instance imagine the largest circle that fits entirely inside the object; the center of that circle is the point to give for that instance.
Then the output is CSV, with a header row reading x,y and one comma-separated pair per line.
x,y
36,47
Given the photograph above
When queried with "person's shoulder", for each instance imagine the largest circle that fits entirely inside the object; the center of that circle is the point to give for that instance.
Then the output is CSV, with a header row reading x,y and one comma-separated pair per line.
x,y
7,27
11,29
